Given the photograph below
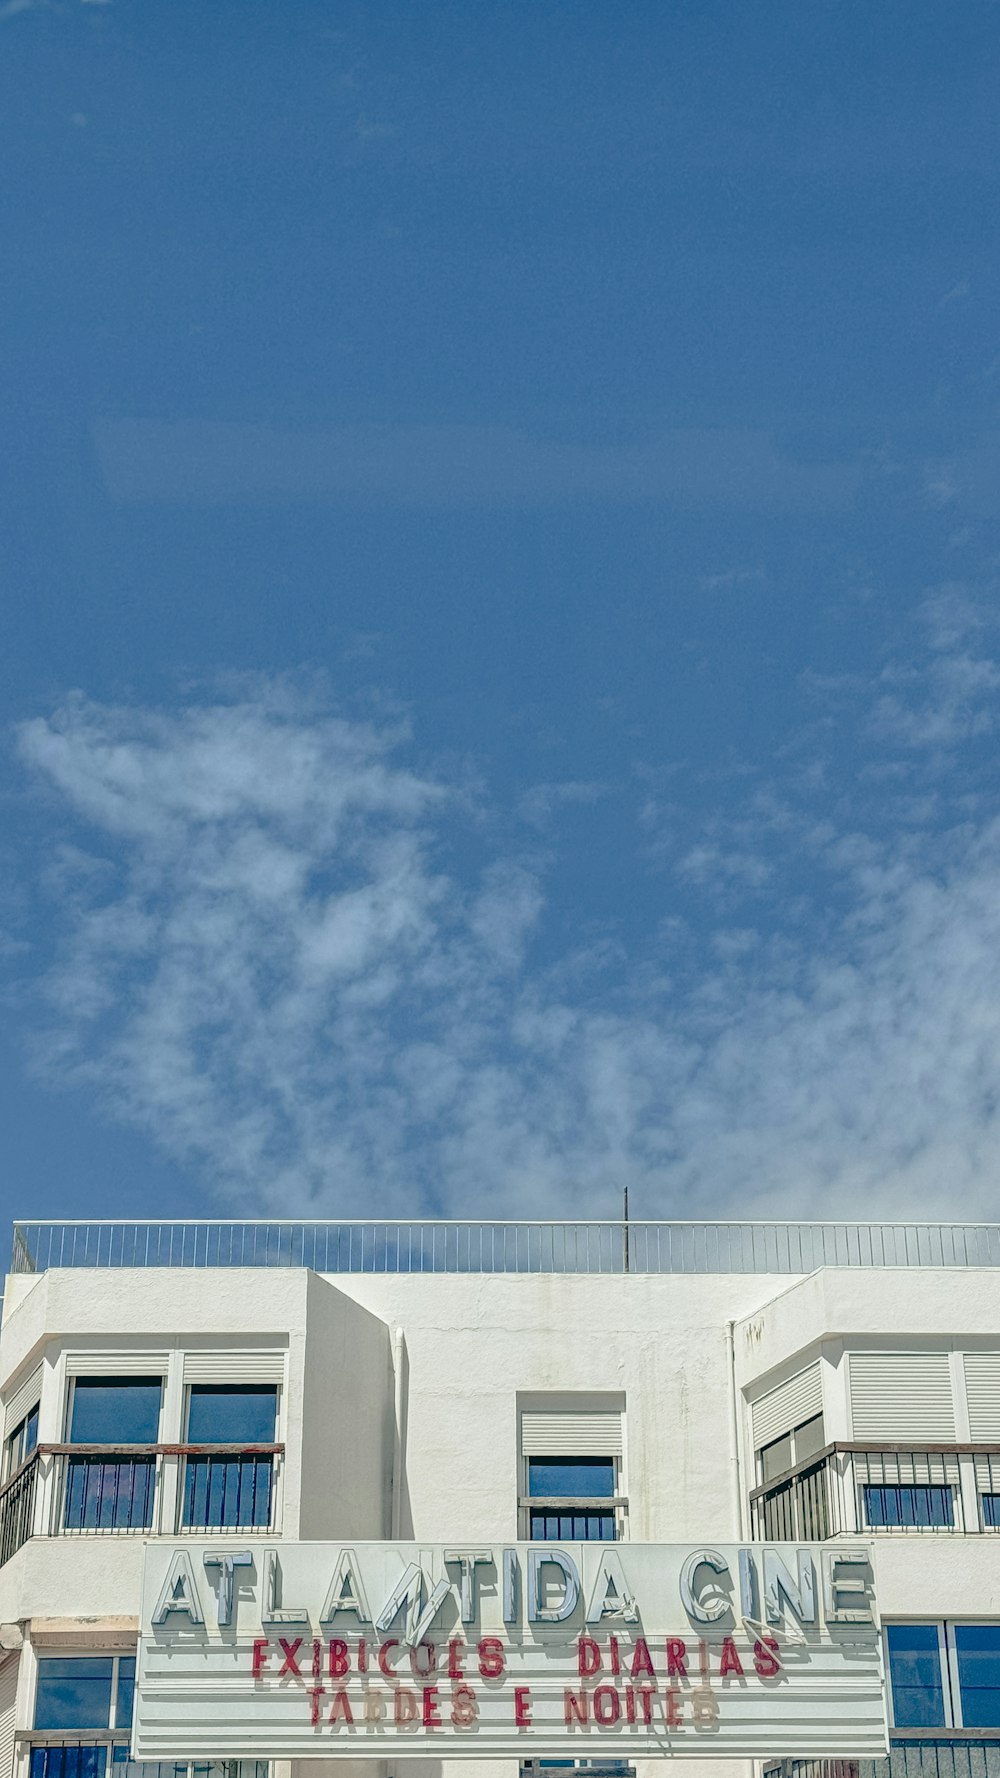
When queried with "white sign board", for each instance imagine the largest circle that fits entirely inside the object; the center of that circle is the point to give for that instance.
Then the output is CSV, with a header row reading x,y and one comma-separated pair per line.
x,y
285,1650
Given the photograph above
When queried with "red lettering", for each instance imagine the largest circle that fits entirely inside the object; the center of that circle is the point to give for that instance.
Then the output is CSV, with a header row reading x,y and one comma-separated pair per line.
x,y
290,1650
338,1658
315,1693
464,1708
765,1657
455,1668
491,1657
362,1655
588,1657
404,1706
676,1658
706,1672
522,1706
613,1645
383,1659
429,1662
607,1705
340,1709
630,1703
317,1659
730,1661
432,1713
642,1660
260,1648
672,1708
576,1707
646,1703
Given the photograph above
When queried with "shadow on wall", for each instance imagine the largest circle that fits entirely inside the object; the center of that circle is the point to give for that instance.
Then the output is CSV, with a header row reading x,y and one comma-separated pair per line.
x,y
401,1511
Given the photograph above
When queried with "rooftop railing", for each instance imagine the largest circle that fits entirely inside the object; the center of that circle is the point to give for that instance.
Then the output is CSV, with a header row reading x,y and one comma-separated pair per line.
x,y
492,1247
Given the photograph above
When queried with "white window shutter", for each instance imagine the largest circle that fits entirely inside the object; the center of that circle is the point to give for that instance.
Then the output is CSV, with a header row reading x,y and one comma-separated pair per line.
x,y
234,1367
21,1400
982,1392
901,1395
8,1705
787,1406
581,1433
116,1364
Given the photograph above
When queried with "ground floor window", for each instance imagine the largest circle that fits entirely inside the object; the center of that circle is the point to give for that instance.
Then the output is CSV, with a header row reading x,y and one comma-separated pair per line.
x,y
944,1675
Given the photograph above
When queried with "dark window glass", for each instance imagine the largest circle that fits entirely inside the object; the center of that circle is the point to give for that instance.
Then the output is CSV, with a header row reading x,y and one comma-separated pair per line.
x,y
231,1414
105,1494
115,1411
808,1438
73,1693
573,1478
581,1527
991,1510
776,1458
915,1674
68,1762
977,1648
29,1433
126,1692
913,1506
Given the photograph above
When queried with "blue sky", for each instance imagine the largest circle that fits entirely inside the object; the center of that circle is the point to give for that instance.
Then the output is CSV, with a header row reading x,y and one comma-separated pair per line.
x,y
499,555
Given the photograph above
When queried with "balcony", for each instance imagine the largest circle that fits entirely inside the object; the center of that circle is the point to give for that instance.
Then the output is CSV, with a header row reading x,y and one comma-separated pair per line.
x,y
79,1490
852,1489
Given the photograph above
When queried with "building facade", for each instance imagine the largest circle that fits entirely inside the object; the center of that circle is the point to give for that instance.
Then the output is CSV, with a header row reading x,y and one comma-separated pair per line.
x,y
662,1383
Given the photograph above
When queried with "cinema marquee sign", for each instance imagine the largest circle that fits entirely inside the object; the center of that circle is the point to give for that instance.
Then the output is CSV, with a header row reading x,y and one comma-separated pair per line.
x,y
527,1650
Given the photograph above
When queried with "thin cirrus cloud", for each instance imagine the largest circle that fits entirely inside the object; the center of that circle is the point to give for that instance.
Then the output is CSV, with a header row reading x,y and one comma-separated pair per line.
x,y
269,960
454,465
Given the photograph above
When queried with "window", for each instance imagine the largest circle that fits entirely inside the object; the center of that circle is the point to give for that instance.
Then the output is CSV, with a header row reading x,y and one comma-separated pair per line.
x,y
229,1490
791,1449
977,1658
564,1487
108,1493
88,1699
77,1693
944,1676
908,1506
916,1671
20,1443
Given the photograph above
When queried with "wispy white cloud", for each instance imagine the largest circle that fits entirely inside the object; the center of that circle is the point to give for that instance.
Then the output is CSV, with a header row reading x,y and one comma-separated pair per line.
x,y
286,954
456,465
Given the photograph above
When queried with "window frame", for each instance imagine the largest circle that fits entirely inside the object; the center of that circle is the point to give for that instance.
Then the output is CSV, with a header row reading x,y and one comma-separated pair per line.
x,y
797,1457
951,1687
15,1441
613,1505
112,1378
111,1727
277,1466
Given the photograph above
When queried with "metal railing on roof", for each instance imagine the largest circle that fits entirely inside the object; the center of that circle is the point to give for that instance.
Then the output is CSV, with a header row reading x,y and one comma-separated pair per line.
x,y
789,1248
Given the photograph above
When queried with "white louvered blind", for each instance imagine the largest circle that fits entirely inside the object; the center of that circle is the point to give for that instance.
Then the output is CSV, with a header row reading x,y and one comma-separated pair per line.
x,y
234,1367
982,1390
583,1433
8,1701
798,1399
116,1364
21,1400
901,1395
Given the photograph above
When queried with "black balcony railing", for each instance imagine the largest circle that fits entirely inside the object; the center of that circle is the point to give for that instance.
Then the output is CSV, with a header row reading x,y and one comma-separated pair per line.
x,y
847,1489
77,1489
17,1508
109,1493
226,1492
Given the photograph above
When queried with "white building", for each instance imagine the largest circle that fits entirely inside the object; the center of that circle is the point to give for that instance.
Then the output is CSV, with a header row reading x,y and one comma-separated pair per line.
x,y
696,1384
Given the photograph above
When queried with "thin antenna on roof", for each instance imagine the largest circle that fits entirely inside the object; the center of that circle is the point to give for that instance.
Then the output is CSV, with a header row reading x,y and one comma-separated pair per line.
x,y
627,1254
